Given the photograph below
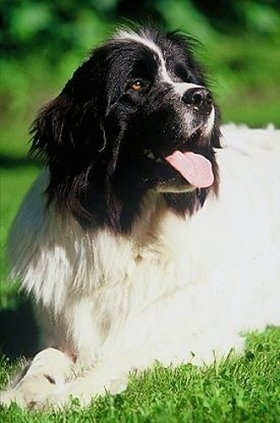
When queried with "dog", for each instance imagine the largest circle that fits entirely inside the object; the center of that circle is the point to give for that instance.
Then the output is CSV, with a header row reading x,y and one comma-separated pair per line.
x,y
153,231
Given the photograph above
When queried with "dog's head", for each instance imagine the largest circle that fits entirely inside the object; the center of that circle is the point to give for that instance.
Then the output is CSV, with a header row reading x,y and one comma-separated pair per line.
x,y
135,117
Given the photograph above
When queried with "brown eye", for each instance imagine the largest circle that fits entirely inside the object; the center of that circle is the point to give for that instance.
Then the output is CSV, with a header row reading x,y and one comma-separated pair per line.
x,y
137,85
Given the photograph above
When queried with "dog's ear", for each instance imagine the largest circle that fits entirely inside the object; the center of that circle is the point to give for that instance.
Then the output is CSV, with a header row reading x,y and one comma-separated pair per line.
x,y
69,130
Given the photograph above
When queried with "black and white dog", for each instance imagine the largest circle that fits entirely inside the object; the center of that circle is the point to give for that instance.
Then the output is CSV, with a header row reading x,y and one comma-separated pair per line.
x,y
143,239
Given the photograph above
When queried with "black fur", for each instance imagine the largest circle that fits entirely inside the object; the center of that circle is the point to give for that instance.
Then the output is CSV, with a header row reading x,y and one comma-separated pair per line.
x,y
94,134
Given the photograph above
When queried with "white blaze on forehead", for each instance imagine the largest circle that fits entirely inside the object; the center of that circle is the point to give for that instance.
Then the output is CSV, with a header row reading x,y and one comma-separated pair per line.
x,y
182,87
179,87
145,40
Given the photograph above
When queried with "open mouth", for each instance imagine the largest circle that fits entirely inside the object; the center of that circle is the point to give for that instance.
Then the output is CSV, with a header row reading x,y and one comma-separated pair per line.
x,y
194,168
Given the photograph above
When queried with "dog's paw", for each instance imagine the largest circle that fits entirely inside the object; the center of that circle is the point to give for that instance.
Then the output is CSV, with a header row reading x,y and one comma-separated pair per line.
x,y
12,396
82,390
27,392
62,398
55,401
47,374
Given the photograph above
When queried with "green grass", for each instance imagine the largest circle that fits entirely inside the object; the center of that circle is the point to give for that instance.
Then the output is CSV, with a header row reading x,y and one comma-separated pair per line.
x,y
239,389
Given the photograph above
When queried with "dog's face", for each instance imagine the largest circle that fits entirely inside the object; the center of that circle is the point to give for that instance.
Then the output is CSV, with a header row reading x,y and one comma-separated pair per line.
x,y
135,117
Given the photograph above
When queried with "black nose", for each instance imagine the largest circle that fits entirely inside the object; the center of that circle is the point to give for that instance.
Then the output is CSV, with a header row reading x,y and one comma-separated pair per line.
x,y
199,98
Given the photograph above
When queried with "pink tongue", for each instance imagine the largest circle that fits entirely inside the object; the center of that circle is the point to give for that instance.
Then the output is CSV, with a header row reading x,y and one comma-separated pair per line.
x,y
196,169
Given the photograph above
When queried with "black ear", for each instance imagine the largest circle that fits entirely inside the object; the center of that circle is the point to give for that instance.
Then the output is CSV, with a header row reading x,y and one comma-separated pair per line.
x,y
68,132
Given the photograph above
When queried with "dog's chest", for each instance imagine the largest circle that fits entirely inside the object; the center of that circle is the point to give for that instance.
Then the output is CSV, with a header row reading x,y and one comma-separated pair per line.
x,y
155,257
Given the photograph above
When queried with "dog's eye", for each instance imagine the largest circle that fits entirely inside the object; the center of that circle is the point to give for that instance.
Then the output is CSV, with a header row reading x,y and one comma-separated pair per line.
x,y
137,85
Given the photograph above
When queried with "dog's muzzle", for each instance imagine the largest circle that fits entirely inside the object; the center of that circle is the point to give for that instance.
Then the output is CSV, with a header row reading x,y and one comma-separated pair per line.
x,y
198,105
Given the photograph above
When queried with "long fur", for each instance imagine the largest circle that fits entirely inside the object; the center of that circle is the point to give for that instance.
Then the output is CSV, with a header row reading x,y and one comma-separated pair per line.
x,y
127,262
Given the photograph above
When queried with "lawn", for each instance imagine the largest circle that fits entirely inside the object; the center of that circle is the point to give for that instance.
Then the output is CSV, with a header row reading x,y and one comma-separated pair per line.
x,y
239,389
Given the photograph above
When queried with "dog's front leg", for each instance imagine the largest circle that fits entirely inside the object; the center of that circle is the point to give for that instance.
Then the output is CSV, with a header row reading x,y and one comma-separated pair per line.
x,y
89,384
48,372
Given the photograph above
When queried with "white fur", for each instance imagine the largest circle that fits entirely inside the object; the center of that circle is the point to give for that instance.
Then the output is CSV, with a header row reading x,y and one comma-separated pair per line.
x,y
175,290
182,87
145,40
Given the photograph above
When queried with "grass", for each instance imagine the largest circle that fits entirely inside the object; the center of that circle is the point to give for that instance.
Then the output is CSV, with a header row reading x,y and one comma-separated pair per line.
x,y
239,389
